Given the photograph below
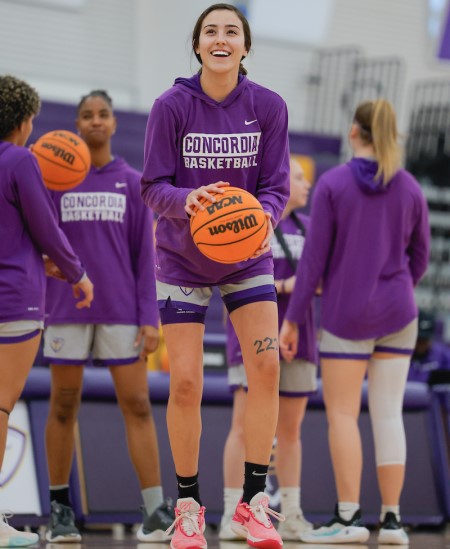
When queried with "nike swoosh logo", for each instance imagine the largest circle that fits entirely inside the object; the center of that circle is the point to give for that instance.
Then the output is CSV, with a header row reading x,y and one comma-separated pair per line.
x,y
120,185
258,474
186,485
240,517
248,122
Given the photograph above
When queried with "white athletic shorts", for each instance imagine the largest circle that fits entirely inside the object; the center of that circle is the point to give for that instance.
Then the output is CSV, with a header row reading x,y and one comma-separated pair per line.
x,y
109,344
297,378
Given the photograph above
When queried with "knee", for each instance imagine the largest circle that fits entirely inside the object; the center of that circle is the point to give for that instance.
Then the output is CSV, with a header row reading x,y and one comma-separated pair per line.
x,y
237,433
137,407
288,432
265,372
185,392
338,417
64,405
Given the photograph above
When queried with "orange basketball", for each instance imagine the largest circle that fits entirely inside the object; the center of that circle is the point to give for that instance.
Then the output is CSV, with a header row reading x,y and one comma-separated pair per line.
x,y
231,229
64,159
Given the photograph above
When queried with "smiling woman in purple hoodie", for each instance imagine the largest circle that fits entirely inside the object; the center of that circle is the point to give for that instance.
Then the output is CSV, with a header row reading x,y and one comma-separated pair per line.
x,y
369,245
205,132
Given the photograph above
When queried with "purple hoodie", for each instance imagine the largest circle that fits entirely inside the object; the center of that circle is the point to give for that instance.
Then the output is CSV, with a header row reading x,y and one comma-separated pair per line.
x,y
28,229
368,246
191,141
109,226
295,239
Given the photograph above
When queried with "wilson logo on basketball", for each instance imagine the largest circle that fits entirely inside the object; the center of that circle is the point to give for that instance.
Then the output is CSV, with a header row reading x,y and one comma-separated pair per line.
x,y
58,152
224,203
64,159
236,226
231,229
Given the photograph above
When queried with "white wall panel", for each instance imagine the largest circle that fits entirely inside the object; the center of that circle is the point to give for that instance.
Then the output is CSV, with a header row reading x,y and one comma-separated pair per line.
x,y
283,67
135,48
66,53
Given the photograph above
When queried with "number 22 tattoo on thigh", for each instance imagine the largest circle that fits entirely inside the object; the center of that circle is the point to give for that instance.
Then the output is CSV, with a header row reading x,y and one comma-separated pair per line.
x,y
266,344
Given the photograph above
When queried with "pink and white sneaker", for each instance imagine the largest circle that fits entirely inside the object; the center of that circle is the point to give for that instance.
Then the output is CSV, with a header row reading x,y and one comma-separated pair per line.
x,y
252,521
189,525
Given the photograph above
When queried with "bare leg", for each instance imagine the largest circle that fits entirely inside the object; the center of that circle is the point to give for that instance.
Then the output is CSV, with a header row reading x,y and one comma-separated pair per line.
x,y
132,394
16,360
65,400
390,480
256,326
342,381
288,464
185,349
234,452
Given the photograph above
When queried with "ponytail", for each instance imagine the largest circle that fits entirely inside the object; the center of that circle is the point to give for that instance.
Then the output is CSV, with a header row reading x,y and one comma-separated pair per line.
x,y
378,125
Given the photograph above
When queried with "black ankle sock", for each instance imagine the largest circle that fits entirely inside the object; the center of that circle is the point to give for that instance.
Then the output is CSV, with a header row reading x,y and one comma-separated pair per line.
x,y
60,495
254,480
188,488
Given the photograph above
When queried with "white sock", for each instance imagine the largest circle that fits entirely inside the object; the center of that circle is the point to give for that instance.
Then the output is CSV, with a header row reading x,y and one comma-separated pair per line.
x,y
392,508
289,500
347,509
231,497
152,498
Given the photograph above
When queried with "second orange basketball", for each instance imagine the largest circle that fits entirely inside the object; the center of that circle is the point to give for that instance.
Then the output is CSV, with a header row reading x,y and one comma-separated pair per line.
x,y
64,159
231,229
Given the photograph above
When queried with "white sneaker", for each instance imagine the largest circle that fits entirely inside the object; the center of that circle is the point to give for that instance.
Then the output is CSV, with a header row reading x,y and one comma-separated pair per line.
x,y
10,537
392,532
294,525
338,530
225,532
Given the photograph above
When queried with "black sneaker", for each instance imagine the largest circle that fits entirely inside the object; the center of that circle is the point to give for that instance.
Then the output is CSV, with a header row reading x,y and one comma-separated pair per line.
x,y
392,531
61,527
153,528
338,530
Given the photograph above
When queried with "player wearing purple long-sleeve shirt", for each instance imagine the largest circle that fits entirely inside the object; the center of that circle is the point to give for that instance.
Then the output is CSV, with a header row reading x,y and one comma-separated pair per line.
x,y
28,229
215,129
369,245
108,224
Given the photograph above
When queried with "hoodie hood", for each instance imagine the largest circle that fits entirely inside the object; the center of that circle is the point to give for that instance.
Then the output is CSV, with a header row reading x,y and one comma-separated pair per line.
x,y
193,87
364,170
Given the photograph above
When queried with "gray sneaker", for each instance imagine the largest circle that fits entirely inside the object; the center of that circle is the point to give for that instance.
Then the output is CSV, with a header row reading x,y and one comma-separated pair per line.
x,y
153,528
61,527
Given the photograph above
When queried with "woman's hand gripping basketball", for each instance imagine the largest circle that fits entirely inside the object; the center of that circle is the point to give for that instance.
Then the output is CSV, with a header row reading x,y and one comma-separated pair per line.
x,y
265,244
193,198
